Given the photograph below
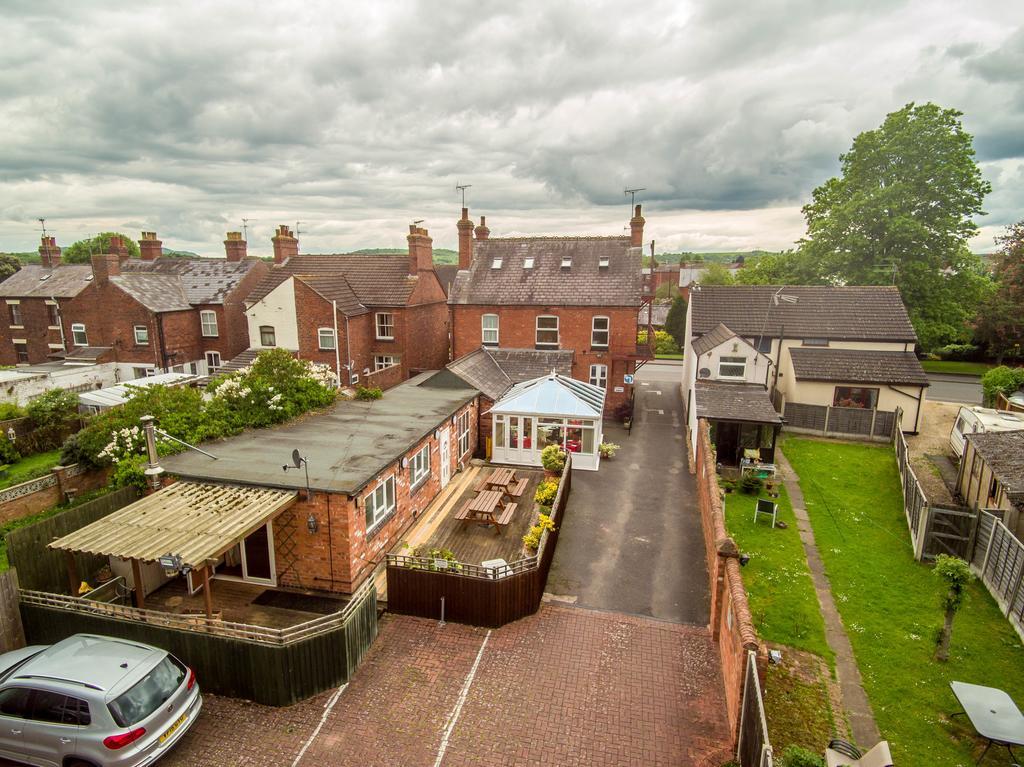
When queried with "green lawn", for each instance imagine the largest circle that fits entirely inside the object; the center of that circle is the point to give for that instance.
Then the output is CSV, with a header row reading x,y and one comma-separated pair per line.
x,y
668,356
782,599
890,605
952,366
29,468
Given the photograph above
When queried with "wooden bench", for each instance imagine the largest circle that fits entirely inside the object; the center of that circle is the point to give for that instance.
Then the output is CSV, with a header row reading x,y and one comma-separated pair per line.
x,y
464,514
518,488
506,515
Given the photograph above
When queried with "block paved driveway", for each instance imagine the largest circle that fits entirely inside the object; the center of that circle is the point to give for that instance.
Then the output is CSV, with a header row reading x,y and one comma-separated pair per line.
x,y
567,686
632,540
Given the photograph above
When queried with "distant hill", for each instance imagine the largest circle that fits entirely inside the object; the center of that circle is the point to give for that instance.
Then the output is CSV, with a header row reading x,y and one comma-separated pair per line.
x,y
441,255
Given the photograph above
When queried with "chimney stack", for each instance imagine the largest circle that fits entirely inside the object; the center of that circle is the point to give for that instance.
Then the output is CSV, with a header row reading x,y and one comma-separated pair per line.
x,y
285,244
105,266
482,232
49,253
465,240
636,229
421,250
118,248
150,247
235,247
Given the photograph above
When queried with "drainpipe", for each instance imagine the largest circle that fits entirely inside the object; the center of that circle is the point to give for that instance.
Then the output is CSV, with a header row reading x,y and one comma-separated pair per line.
x,y
348,354
162,361
153,469
337,346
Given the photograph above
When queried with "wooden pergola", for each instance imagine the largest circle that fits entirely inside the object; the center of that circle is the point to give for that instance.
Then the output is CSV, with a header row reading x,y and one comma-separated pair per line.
x,y
195,523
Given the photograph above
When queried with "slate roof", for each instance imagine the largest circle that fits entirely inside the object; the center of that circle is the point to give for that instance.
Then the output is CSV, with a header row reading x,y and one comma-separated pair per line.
x,y
871,313
377,279
857,366
446,275
585,283
203,280
724,401
63,281
718,335
84,353
494,371
334,287
157,292
1003,451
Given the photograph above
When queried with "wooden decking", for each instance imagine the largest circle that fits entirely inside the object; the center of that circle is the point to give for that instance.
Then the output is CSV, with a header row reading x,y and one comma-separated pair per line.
x,y
233,599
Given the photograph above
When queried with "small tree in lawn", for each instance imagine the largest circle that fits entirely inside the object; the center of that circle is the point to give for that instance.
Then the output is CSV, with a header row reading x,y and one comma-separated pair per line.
x,y
956,574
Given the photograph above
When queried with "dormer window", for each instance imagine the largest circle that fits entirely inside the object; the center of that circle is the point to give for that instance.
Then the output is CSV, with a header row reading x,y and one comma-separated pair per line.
x,y
566,262
603,262
528,262
496,263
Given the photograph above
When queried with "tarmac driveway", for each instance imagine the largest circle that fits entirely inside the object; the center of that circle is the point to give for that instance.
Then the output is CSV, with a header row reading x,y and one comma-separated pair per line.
x,y
632,539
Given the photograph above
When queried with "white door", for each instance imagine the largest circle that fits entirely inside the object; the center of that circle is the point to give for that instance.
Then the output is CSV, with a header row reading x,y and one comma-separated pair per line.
x,y
446,457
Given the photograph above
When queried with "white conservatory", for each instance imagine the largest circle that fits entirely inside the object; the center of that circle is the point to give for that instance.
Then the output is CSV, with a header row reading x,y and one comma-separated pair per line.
x,y
551,410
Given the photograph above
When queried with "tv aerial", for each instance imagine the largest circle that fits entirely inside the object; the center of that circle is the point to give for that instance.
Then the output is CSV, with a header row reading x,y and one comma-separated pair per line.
x,y
461,188
632,194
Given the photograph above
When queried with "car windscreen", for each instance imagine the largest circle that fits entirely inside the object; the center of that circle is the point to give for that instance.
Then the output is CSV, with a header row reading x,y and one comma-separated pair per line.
x,y
149,693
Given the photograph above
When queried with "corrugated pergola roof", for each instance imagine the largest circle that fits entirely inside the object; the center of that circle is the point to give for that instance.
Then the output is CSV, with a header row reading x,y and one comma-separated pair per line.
x,y
197,521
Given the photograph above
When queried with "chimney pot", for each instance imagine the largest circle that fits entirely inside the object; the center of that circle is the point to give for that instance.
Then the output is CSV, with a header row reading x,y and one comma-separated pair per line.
x,y
421,250
636,229
482,232
150,248
235,247
465,227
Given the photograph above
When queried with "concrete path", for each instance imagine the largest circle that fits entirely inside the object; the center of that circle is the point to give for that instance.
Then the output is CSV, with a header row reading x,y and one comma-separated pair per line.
x,y
855,700
632,540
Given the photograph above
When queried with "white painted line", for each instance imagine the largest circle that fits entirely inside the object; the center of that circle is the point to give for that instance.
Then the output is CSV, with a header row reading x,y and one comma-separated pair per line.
x,y
656,391
645,383
458,705
327,710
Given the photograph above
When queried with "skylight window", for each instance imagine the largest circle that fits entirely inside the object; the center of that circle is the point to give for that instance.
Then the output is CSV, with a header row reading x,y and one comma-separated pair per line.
x,y
566,262
528,262
602,262
496,263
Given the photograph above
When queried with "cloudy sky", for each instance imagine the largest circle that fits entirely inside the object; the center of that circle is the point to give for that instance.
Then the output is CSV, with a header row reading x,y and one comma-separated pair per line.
x,y
356,118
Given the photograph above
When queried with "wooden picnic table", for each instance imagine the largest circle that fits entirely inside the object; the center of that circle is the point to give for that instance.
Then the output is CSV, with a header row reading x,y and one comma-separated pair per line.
x,y
487,509
501,478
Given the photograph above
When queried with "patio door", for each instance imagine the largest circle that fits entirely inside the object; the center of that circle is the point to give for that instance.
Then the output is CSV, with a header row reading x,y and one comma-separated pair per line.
x,y
520,440
446,456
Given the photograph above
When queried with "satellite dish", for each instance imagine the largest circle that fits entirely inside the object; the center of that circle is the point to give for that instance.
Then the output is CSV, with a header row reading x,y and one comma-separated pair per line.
x,y
704,373
296,459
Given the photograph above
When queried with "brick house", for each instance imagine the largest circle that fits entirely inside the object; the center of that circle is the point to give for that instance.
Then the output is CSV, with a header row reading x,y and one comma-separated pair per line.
x,y
143,315
373,468
374,319
577,294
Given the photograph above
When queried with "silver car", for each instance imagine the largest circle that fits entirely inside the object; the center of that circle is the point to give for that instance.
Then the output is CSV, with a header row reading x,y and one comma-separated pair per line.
x,y
94,701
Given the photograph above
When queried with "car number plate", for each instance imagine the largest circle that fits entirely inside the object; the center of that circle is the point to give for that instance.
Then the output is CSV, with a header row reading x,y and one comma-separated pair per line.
x,y
170,730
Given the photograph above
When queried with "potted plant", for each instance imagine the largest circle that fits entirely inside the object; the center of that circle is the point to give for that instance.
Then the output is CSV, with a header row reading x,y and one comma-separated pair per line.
x,y
607,449
552,458
624,413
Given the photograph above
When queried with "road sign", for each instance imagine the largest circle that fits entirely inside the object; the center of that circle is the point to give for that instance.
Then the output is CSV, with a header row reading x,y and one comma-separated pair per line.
x,y
628,378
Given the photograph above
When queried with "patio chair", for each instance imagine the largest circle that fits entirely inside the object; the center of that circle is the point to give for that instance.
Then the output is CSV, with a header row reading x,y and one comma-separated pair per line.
x,y
764,506
518,488
506,515
842,754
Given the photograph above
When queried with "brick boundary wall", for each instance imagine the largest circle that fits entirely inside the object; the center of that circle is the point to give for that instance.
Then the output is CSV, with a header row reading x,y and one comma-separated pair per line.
x,y
731,625
385,378
42,493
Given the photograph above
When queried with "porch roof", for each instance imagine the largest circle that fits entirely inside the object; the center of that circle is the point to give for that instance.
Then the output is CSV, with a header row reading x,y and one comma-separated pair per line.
x,y
196,521
723,401
554,395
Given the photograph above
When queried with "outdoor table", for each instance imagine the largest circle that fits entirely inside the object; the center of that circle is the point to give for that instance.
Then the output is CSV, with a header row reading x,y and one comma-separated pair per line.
x,y
485,506
501,478
993,715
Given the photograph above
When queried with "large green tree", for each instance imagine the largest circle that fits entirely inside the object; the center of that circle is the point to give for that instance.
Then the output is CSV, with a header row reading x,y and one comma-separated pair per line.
x,y
675,322
716,274
81,251
9,264
901,213
1000,323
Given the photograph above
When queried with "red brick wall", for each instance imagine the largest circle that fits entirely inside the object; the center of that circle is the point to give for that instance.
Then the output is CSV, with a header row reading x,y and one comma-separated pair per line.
x,y
385,378
517,330
35,317
236,327
731,622
339,556
48,497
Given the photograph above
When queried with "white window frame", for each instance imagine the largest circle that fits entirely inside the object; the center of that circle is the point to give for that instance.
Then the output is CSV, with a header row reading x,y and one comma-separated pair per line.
x,y
538,330
210,367
419,466
145,335
594,330
273,332
732,362
329,333
462,426
208,323
376,502
384,361
384,321
484,330
599,376
76,328
17,318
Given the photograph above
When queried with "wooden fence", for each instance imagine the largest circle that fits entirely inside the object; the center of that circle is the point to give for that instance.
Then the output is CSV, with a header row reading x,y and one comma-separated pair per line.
x,y
468,593
43,569
276,667
753,748
998,560
11,634
840,421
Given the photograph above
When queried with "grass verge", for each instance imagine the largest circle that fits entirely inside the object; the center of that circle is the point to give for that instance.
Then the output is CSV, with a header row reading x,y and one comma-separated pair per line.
x,y
668,356
782,599
890,605
30,467
959,368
